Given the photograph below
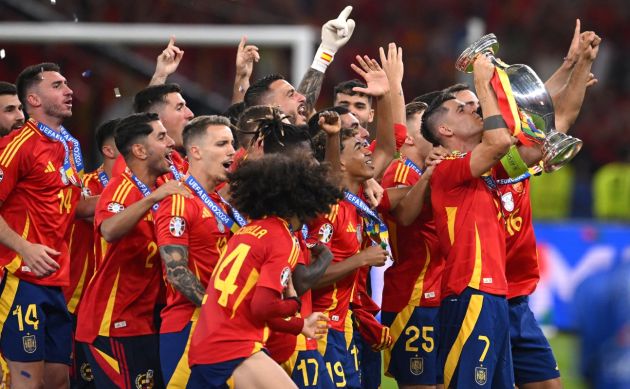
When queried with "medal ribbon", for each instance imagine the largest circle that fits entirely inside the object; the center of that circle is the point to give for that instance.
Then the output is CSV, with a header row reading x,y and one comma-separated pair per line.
x,y
220,215
374,226
63,137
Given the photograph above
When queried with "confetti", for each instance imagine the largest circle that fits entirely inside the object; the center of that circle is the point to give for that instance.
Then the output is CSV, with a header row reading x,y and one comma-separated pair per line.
x,y
86,73
53,2
76,18
117,92
2,54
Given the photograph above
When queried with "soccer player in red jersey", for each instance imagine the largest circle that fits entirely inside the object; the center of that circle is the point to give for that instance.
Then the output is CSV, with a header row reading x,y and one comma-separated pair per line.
x,y
40,190
115,320
245,293
11,114
165,100
80,238
411,295
191,235
474,325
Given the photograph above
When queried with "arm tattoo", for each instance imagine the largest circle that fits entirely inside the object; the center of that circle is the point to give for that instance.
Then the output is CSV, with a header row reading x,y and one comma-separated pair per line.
x,y
175,258
310,87
305,277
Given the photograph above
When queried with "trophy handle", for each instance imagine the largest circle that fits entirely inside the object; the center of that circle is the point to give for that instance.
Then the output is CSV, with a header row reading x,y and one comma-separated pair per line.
x,y
558,150
486,44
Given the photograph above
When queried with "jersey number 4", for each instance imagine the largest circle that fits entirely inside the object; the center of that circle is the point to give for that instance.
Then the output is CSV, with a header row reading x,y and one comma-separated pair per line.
x,y
227,286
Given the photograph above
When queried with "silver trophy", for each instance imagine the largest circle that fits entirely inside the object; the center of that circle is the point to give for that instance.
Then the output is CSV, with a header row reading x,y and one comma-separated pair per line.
x,y
531,97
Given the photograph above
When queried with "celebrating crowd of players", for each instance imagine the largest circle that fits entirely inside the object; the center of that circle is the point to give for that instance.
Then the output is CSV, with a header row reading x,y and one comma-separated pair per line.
x,y
184,262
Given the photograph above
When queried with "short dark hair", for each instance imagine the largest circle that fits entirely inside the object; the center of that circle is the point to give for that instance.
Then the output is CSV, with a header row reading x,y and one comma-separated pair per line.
x,y
131,128
320,139
197,127
250,119
284,186
105,131
30,76
234,111
427,98
7,88
415,107
257,91
345,87
456,88
313,122
149,97
432,115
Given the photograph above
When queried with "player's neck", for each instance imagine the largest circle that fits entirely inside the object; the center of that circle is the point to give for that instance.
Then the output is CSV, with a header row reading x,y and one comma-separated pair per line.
x,y
54,123
353,184
144,173
461,145
108,165
207,182
412,154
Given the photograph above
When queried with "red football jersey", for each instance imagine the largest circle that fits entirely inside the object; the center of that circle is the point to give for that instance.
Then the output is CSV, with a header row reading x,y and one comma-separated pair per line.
x,y
341,231
80,238
469,227
120,299
521,268
416,275
188,222
281,345
39,202
263,253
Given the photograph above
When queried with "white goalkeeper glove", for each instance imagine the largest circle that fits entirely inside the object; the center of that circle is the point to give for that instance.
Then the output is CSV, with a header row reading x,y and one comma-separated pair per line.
x,y
335,34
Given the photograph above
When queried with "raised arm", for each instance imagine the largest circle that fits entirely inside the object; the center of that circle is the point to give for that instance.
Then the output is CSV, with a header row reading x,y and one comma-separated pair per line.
x,y
246,55
335,34
330,123
496,139
167,63
393,66
378,87
306,277
561,76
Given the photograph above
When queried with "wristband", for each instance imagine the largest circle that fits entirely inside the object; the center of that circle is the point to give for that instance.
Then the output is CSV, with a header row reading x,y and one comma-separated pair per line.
x,y
513,163
322,59
494,122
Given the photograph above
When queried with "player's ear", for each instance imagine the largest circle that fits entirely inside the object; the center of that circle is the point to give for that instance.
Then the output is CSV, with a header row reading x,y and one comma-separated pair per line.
x,y
194,152
139,151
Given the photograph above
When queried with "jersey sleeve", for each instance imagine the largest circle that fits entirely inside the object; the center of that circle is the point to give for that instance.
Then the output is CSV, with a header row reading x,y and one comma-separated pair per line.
x,y
321,229
115,199
14,161
173,221
275,270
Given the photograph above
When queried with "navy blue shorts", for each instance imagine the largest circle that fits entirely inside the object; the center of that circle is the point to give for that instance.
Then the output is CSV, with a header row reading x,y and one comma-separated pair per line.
x,y
214,376
370,363
308,370
531,353
475,341
342,358
412,358
174,357
125,362
81,376
34,322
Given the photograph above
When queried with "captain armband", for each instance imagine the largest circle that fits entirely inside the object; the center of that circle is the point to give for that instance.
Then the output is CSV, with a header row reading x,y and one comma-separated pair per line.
x,y
494,122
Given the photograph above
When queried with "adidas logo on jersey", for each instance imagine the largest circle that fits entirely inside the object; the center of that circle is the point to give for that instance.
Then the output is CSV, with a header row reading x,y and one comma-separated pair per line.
x,y
351,228
50,168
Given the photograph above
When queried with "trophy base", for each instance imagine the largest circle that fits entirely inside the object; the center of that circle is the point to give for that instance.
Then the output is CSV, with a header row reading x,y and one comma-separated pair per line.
x,y
559,149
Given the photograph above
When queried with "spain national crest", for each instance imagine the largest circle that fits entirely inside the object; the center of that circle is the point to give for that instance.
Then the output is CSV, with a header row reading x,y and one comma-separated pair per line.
x,y
416,366
508,201
481,375
86,372
145,381
30,343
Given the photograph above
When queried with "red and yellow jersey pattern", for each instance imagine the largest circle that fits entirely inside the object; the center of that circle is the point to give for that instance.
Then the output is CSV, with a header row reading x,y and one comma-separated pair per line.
x,y
342,231
80,239
261,254
38,200
470,228
416,275
282,345
188,222
121,296
521,269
